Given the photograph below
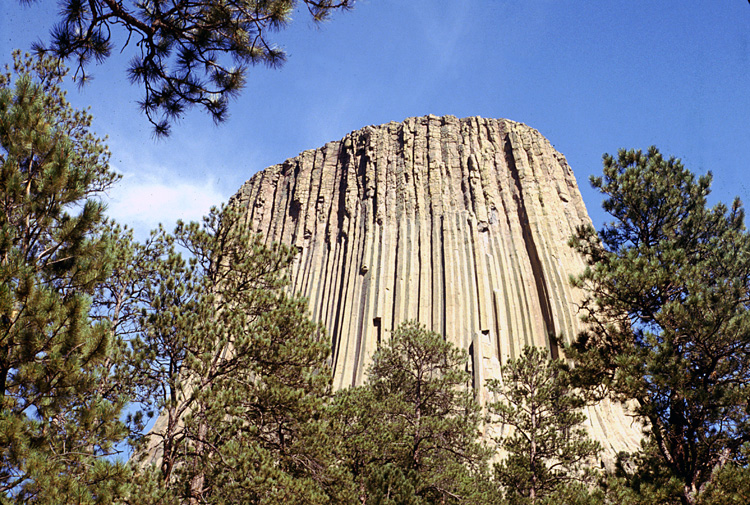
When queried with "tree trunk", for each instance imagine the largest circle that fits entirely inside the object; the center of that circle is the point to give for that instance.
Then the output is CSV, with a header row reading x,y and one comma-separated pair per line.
x,y
199,476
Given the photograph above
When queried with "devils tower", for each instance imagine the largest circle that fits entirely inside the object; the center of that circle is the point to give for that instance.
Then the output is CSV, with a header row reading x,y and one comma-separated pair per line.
x,y
461,224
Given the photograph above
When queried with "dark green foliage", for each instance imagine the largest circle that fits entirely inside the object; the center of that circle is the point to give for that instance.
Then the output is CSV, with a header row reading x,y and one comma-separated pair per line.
x,y
58,416
410,434
547,450
669,281
189,52
235,368
391,485
640,479
730,484
578,493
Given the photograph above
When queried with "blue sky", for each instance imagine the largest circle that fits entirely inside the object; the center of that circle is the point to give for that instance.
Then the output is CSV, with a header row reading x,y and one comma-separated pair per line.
x,y
591,76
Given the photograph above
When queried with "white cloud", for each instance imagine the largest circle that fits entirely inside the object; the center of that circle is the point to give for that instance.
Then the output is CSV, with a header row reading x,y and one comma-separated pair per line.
x,y
143,200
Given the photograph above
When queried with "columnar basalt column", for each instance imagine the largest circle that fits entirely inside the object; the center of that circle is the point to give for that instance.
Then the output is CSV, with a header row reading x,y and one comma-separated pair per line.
x,y
461,224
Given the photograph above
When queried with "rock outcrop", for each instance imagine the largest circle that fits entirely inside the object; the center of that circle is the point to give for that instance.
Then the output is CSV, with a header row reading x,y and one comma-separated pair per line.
x,y
461,224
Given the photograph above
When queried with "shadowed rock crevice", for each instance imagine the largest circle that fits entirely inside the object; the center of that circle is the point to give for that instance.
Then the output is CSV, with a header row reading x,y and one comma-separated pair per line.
x,y
461,224
531,251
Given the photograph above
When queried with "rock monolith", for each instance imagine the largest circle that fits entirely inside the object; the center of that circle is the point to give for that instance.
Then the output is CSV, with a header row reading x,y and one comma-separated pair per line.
x,y
461,224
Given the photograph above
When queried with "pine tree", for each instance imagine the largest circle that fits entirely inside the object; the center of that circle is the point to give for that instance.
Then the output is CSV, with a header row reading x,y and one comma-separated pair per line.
x,y
189,52
57,421
410,433
669,283
546,447
235,368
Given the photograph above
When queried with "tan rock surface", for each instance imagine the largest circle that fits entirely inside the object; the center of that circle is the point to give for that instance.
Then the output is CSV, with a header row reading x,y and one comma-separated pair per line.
x,y
461,224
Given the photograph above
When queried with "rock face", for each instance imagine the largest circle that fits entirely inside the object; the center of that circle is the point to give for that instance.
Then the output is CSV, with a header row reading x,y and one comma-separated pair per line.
x,y
461,224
